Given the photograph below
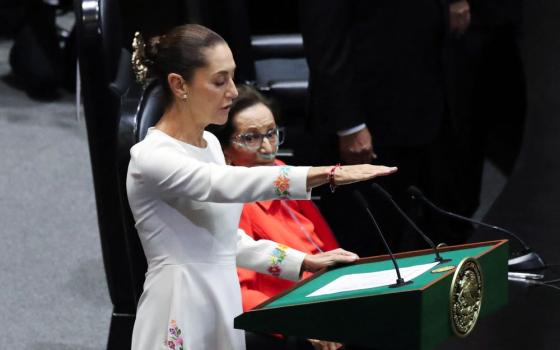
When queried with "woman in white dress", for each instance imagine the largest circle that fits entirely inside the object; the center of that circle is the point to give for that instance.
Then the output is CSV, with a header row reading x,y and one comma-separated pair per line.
x,y
187,202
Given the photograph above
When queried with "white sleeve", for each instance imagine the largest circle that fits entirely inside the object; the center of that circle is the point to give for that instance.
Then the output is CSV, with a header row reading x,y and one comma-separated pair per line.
x,y
173,173
268,257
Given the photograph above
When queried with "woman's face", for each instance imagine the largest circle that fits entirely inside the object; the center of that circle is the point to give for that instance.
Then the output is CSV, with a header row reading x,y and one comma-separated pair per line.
x,y
250,122
212,90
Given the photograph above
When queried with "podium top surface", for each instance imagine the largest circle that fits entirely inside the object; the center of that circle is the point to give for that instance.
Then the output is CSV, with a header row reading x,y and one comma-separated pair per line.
x,y
300,293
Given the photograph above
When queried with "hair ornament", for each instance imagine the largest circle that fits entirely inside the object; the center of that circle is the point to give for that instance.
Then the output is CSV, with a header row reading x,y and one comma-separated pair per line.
x,y
139,59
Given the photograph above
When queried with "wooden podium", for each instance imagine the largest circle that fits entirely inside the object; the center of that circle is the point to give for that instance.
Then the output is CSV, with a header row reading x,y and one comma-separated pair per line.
x,y
415,316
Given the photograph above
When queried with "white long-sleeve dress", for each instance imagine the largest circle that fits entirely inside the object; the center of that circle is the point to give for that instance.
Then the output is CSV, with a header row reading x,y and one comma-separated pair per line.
x,y
186,203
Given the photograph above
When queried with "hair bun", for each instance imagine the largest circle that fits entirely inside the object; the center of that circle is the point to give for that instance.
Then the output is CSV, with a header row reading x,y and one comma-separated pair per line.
x,y
139,61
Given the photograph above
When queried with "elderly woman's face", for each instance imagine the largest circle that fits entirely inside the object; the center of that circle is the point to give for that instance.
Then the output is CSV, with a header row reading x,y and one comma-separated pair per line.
x,y
246,148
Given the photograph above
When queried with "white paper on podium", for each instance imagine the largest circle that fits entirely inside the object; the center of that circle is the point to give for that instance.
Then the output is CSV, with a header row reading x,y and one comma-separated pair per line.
x,y
367,280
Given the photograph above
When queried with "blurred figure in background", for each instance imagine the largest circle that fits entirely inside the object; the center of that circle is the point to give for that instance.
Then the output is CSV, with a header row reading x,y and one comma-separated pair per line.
x,y
487,93
378,94
43,57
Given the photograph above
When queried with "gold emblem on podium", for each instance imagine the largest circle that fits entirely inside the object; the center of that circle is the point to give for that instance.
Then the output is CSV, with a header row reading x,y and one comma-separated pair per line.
x,y
465,296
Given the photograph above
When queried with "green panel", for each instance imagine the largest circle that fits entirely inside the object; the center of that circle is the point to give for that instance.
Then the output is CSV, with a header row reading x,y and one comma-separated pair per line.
x,y
435,314
356,321
299,295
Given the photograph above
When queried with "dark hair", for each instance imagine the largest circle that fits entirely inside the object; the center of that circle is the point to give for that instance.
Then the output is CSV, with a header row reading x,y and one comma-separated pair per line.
x,y
248,97
179,51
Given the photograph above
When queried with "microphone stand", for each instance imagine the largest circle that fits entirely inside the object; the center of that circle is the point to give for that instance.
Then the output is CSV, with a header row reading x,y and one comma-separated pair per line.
x,y
382,191
527,260
400,281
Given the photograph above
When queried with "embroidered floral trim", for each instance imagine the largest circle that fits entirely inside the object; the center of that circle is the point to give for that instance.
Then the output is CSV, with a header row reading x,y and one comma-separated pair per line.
x,y
278,255
282,182
174,338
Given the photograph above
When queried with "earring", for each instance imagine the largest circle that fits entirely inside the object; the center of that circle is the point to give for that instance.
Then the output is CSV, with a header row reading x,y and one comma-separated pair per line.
x,y
184,96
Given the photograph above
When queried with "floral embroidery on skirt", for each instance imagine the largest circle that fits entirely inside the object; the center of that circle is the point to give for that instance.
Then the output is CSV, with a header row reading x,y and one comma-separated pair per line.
x,y
174,338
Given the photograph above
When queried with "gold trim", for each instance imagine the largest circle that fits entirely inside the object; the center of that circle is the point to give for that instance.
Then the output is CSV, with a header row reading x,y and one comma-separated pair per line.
x,y
443,269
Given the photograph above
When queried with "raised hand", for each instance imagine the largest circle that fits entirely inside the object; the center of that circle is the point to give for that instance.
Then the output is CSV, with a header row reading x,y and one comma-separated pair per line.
x,y
354,173
346,174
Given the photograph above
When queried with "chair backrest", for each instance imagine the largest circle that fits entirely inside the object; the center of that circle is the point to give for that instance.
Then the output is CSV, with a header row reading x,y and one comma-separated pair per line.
x,y
111,36
99,50
137,115
150,110
111,99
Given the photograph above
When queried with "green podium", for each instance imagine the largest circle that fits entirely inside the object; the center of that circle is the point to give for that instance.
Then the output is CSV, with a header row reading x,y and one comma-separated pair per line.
x,y
419,315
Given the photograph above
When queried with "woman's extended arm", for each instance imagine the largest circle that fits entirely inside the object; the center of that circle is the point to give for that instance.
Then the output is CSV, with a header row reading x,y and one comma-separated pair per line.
x,y
169,171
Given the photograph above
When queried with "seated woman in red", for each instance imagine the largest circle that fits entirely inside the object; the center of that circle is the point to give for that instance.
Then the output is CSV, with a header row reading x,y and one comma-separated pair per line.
x,y
251,138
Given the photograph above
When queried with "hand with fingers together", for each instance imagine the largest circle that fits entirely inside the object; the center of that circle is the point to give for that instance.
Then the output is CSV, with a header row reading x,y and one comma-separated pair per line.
x,y
315,262
347,174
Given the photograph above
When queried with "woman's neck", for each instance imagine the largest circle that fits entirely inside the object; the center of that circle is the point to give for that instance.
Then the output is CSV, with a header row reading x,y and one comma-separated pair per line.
x,y
178,122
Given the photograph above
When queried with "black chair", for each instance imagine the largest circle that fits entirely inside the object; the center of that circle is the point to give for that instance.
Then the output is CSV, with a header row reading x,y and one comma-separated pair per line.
x,y
105,77
135,119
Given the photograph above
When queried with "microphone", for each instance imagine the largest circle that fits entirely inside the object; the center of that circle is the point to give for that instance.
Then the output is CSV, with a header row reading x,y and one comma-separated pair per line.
x,y
400,281
382,191
527,259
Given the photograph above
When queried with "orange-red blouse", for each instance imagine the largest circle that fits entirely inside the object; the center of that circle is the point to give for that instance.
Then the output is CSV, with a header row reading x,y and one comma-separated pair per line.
x,y
274,220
